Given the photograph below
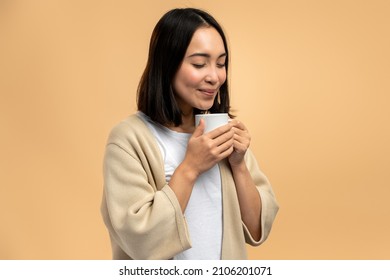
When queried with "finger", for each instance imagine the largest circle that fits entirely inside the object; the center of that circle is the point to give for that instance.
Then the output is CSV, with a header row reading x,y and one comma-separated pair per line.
x,y
199,129
238,124
225,146
226,152
241,143
240,132
219,131
239,147
242,137
221,139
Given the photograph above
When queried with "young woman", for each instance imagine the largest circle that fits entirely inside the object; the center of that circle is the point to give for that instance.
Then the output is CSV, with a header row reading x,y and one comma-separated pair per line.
x,y
172,191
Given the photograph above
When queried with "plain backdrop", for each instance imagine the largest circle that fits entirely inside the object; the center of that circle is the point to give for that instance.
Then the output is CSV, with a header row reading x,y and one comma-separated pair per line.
x,y
309,79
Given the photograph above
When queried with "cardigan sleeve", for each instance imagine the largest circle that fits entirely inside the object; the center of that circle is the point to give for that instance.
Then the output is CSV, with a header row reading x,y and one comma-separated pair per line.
x,y
143,221
269,205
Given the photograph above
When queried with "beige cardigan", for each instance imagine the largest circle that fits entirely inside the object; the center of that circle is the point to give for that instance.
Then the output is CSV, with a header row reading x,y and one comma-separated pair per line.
x,y
142,213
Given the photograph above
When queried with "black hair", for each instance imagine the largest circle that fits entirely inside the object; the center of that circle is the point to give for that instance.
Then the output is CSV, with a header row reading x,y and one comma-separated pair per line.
x,y
168,45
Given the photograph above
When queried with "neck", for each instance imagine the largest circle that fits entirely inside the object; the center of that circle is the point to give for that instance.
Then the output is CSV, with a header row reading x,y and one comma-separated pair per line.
x,y
187,125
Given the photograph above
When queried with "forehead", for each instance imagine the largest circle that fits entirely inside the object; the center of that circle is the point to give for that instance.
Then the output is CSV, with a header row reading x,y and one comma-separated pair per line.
x,y
206,40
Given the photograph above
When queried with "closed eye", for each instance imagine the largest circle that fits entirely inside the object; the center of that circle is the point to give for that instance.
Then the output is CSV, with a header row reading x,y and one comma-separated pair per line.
x,y
198,66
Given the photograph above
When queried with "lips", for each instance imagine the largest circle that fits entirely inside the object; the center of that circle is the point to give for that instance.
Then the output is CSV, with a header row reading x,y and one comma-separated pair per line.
x,y
209,92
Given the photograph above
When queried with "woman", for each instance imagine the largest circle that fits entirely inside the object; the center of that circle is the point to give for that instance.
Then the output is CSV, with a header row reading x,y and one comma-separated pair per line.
x,y
170,190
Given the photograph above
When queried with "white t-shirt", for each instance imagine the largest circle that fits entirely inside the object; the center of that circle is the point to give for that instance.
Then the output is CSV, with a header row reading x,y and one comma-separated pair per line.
x,y
204,209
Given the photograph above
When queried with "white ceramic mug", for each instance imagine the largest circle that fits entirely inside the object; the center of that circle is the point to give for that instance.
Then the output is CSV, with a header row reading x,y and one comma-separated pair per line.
x,y
212,121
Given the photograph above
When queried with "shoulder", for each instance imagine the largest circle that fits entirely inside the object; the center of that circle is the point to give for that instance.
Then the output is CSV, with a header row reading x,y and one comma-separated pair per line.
x,y
130,131
131,137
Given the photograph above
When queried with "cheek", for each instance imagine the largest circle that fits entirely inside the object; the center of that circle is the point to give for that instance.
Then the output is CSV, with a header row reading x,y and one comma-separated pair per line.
x,y
222,77
189,77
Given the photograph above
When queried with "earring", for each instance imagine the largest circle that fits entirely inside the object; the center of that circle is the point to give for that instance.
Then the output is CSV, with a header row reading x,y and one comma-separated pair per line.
x,y
219,97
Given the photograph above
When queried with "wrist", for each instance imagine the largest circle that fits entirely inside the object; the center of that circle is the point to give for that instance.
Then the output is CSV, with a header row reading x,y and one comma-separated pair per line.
x,y
238,167
188,172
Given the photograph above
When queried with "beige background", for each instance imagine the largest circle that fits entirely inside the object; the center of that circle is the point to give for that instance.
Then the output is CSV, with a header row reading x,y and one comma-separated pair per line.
x,y
310,79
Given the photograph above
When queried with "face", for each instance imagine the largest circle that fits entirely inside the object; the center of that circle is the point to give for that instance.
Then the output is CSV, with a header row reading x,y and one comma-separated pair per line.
x,y
202,71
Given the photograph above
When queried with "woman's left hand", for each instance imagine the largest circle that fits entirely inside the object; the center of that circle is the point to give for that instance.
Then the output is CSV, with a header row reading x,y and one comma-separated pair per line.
x,y
242,140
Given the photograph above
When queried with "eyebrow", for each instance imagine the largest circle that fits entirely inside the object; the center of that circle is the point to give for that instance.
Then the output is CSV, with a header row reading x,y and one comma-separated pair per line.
x,y
206,55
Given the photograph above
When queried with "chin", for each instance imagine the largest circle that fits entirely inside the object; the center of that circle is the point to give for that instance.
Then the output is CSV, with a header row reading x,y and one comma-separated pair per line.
x,y
204,107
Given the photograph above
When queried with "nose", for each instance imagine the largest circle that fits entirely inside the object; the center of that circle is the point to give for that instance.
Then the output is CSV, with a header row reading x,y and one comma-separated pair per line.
x,y
212,75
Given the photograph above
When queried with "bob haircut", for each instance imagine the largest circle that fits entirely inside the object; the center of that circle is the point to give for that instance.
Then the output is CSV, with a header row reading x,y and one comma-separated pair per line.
x,y
168,45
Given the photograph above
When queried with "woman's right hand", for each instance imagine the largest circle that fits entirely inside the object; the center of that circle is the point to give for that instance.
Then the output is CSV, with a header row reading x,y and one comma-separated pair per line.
x,y
206,150
203,152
